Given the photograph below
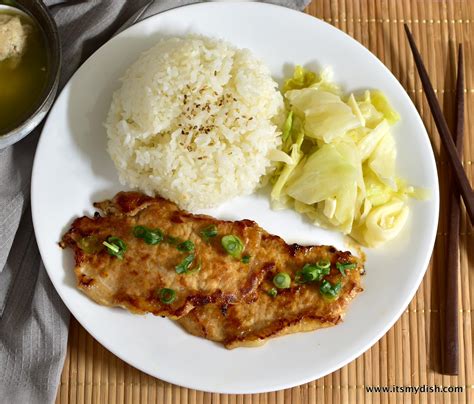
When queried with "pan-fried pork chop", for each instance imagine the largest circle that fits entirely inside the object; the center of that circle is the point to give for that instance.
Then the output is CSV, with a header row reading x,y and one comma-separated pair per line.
x,y
302,307
217,277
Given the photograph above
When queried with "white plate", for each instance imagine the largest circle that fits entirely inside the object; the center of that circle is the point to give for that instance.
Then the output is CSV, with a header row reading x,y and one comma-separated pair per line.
x,y
72,170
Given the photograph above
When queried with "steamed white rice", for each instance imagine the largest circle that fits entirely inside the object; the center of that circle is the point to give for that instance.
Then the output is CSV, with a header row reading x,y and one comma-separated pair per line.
x,y
194,122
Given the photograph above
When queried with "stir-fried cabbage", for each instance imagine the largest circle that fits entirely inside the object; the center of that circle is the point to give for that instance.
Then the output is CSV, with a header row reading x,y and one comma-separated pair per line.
x,y
337,171
325,115
338,159
382,160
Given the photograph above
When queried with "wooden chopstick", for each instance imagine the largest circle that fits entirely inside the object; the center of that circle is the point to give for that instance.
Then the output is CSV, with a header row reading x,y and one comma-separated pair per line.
x,y
451,339
464,187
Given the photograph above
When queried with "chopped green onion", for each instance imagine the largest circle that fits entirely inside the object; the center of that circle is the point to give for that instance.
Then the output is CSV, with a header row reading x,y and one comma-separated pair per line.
x,y
323,264
167,296
111,247
246,259
197,268
272,292
153,237
344,267
313,272
183,266
139,231
186,246
208,232
329,290
324,272
282,280
115,247
149,236
233,245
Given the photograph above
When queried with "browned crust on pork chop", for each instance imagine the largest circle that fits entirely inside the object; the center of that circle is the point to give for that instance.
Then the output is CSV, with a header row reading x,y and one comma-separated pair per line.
x,y
299,308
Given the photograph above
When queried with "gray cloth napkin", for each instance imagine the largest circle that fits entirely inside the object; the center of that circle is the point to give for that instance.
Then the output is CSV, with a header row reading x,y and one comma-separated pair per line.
x,y
33,319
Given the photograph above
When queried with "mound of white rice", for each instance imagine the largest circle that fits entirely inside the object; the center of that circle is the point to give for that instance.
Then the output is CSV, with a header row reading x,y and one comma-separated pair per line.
x,y
194,121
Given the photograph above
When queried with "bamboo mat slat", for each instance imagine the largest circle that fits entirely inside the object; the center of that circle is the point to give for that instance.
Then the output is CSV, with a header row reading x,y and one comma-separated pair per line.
x,y
409,354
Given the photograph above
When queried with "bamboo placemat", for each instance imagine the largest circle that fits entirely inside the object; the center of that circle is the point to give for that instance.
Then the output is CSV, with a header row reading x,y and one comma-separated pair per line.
x,y
409,354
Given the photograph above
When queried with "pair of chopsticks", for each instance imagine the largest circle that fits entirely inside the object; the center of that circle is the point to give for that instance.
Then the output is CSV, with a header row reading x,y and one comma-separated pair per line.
x,y
460,175
453,145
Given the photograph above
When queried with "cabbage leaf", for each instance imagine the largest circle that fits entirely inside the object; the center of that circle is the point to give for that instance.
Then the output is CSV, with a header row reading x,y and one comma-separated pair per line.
x,y
325,115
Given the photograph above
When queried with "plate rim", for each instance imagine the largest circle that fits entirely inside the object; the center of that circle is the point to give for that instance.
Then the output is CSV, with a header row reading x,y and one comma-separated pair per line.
x,y
369,343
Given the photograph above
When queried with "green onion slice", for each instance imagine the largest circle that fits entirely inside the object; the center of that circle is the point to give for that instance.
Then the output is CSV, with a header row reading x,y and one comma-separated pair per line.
x,y
115,246
153,237
345,267
246,259
183,266
329,290
167,296
208,232
323,264
186,246
282,280
272,292
197,268
233,245
139,231
149,236
313,272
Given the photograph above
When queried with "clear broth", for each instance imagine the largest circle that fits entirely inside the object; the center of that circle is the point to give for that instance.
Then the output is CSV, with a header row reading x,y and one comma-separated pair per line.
x,y
21,86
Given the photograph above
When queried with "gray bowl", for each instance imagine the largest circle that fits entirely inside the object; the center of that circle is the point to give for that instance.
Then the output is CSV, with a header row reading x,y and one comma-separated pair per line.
x,y
40,13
